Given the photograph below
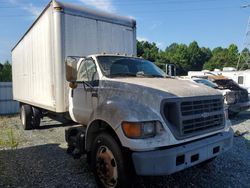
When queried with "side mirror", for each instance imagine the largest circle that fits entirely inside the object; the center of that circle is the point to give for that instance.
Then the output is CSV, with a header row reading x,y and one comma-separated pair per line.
x,y
71,68
171,69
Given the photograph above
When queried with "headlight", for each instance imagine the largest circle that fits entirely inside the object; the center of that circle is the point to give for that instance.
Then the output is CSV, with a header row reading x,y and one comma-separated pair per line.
x,y
230,98
138,130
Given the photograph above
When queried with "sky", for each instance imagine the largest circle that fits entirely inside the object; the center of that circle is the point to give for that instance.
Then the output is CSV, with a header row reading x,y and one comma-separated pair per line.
x,y
211,23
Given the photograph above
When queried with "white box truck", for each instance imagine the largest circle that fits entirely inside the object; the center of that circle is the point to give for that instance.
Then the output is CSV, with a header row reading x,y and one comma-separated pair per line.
x,y
133,118
64,30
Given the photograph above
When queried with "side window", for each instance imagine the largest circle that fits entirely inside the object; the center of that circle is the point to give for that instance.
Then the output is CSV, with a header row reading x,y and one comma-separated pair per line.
x,y
87,72
82,72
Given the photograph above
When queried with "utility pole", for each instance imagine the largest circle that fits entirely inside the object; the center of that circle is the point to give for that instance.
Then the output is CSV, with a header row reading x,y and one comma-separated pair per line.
x,y
245,55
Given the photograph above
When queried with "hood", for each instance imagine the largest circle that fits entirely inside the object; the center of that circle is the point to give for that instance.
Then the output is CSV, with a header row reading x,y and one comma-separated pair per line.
x,y
180,88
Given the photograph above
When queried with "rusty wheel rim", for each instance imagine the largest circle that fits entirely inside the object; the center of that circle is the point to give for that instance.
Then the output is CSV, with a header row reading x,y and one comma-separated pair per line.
x,y
106,167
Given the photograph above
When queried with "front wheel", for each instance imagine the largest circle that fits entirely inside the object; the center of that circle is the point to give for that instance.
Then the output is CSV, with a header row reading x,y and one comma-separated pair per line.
x,y
108,163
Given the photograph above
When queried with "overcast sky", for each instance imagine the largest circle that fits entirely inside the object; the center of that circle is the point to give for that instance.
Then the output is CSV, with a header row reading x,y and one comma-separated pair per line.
x,y
211,23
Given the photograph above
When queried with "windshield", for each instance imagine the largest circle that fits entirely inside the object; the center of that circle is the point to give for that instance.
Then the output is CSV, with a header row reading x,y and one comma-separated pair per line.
x,y
117,66
207,83
227,84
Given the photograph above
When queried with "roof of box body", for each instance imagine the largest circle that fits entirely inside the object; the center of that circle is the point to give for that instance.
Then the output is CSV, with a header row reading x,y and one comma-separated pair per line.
x,y
84,12
95,14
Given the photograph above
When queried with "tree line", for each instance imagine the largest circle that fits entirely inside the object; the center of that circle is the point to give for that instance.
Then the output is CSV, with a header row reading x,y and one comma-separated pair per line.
x,y
5,72
191,57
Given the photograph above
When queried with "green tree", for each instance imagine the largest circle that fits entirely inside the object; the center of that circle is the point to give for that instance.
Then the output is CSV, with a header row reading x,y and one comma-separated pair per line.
x,y
192,56
147,50
195,56
162,60
243,58
1,68
5,72
223,57
232,56
186,58
177,54
207,54
218,59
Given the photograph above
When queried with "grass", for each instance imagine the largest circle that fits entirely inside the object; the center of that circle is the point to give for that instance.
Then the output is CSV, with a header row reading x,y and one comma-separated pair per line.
x,y
7,138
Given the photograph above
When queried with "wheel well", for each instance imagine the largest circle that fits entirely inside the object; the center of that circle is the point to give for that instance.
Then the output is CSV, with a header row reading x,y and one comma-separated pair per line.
x,y
95,128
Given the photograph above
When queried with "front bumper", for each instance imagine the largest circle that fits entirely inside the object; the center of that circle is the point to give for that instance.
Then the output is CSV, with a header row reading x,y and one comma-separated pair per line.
x,y
238,107
168,161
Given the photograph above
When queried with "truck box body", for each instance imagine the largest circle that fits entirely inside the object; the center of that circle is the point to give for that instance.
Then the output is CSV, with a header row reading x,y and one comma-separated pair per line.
x,y
64,30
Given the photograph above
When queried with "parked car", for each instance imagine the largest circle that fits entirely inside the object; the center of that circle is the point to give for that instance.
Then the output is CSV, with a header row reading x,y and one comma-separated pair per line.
x,y
240,77
235,97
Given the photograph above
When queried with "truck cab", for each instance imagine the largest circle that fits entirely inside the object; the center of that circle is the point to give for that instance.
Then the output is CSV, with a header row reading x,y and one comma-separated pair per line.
x,y
134,116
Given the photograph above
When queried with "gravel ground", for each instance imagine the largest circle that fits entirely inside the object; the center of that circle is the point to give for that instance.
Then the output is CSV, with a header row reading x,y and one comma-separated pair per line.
x,y
40,160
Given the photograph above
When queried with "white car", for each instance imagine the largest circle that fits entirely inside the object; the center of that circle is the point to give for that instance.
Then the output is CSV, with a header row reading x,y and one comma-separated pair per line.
x,y
235,97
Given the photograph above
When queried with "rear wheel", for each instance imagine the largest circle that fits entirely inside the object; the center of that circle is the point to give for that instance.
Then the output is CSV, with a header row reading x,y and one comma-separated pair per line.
x,y
26,116
107,163
36,117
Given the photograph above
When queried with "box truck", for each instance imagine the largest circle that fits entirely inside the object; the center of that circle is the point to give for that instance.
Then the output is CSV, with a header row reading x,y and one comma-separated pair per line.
x,y
133,118
64,30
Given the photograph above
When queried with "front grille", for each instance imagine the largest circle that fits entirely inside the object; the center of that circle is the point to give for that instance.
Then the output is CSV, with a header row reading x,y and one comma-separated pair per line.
x,y
199,107
194,116
200,124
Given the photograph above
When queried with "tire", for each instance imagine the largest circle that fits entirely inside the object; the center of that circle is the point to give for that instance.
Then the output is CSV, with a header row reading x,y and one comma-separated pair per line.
x,y
36,117
107,163
26,116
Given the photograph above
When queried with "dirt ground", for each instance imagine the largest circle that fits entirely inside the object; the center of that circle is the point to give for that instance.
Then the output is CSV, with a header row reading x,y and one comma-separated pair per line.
x,y
38,158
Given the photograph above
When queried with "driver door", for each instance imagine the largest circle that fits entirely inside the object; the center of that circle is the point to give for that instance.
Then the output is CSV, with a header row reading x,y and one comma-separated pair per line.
x,y
84,97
